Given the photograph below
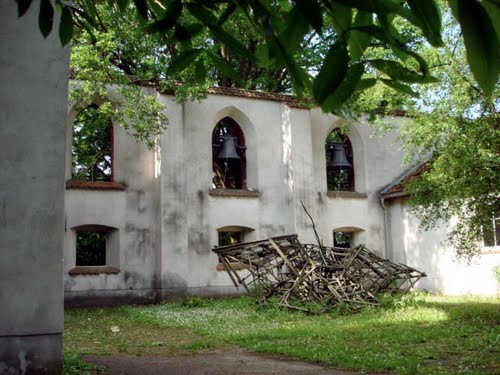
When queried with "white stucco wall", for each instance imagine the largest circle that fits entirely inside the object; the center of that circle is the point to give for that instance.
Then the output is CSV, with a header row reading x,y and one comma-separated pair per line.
x,y
168,195
33,95
131,211
428,252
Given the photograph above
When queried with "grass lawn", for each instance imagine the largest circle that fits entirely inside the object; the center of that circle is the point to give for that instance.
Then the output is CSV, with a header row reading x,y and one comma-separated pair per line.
x,y
419,334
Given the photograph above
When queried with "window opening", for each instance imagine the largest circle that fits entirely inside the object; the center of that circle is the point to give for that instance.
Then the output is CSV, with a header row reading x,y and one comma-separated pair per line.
x,y
339,162
230,238
228,155
92,158
491,232
91,248
342,239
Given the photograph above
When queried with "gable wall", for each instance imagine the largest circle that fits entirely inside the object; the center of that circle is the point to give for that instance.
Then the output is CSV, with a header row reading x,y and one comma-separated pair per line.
x,y
428,251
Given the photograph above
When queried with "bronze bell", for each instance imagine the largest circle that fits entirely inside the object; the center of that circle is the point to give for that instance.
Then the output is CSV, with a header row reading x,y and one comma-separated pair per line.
x,y
228,149
338,157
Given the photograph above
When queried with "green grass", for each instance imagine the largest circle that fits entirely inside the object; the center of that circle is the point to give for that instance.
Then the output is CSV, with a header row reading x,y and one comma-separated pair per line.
x,y
417,335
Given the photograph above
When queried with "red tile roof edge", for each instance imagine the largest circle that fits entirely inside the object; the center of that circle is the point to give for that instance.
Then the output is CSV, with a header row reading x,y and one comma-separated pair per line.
x,y
398,189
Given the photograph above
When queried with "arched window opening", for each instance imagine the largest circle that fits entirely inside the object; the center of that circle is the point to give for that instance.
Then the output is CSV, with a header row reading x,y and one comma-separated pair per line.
x,y
92,151
339,162
228,155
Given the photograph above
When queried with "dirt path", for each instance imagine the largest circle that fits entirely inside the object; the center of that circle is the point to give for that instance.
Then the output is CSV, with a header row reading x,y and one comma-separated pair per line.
x,y
214,363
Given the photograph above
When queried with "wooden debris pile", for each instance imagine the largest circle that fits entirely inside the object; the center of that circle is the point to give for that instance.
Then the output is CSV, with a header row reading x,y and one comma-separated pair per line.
x,y
296,274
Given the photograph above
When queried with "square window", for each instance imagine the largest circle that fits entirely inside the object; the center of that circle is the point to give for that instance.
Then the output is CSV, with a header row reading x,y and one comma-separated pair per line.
x,y
342,239
91,248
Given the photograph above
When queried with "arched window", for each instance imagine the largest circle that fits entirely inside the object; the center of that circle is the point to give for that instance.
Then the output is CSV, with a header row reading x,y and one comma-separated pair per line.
x,y
339,162
228,155
92,151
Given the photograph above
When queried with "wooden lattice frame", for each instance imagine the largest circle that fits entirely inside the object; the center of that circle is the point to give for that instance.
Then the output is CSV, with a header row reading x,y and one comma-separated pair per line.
x,y
290,271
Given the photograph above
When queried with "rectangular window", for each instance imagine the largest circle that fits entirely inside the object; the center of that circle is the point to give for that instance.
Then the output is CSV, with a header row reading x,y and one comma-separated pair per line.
x,y
92,148
91,248
491,232
342,239
230,238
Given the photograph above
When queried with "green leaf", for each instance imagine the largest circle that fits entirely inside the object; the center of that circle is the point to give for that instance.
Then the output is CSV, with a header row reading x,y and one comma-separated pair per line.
x,y
373,31
380,7
358,41
397,71
366,83
142,8
341,16
90,9
300,79
311,10
262,54
428,18
45,17
332,72
203,15
297,27
285,5
481,43
169,18
233,44
66,26
187,32
223,67
398,86
22,7
200,72
493,11
183,61
226,14
122,4
345,90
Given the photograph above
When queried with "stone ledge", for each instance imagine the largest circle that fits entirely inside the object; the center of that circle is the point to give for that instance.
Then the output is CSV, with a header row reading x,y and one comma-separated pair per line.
x,y
238,193
93,270
94,185
346,194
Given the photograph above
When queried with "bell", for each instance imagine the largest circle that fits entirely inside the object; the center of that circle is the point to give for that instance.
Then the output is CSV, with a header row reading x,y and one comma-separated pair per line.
x,y
228,149
338,157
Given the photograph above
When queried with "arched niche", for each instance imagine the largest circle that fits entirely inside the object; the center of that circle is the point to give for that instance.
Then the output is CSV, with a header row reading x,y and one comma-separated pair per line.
x,y
357,147
250,136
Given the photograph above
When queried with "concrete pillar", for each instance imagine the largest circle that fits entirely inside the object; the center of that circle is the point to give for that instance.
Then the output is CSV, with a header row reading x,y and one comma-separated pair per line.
x,y
33,97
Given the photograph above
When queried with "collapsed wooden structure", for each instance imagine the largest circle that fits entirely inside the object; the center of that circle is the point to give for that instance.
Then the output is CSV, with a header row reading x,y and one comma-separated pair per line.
x,y
294,274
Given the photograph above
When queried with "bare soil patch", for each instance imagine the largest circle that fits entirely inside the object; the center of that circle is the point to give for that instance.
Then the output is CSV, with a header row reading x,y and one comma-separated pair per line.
x,y
234,361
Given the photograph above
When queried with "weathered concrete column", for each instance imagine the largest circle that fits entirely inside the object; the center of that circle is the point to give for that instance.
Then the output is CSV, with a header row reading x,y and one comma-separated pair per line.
x,y
33,97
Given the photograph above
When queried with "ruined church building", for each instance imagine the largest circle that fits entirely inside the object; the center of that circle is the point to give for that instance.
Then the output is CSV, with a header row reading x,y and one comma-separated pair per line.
x,y
235,167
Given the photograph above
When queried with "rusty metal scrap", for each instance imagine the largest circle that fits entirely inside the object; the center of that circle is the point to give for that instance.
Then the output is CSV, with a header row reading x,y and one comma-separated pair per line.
x,y
294,274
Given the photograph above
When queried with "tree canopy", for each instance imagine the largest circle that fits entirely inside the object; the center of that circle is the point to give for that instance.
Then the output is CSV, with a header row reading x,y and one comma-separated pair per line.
x,y
457,126
439,60
272,34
